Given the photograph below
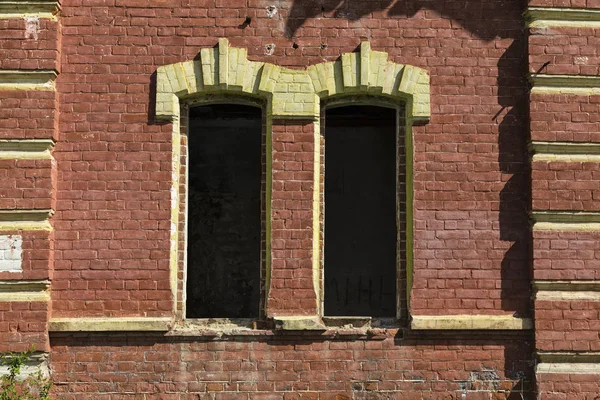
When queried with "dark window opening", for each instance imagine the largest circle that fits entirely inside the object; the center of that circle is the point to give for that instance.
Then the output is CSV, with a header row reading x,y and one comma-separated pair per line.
x,y
360,212
224,212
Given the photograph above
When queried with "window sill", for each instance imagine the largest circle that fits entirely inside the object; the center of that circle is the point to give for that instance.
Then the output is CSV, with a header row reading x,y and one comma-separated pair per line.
x,y
218,327
326,328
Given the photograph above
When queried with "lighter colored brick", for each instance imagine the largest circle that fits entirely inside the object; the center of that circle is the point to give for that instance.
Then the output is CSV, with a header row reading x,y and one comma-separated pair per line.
x,y
292,93
11,253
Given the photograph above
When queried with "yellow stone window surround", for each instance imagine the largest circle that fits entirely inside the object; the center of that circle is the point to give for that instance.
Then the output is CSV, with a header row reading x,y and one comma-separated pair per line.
x,y
288,94
292,93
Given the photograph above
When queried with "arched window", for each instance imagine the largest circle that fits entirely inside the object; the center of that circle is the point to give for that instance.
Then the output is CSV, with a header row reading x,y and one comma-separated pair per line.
x,y
364,211
224,198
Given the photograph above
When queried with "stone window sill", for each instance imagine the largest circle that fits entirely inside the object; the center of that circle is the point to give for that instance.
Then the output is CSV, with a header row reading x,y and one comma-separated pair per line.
x,y
327,327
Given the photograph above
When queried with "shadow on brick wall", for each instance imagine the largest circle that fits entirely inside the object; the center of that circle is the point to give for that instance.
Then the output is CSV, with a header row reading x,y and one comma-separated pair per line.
x,y
152,102
473,15
513,162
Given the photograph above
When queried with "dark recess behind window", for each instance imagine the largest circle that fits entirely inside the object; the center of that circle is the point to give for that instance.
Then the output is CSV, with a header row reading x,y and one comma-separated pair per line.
x,y
224,206
360,211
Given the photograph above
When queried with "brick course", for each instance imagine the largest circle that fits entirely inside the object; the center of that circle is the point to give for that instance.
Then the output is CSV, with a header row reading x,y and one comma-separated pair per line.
x,y
566,255
26,184
565,117
567,50
27,114
565,186
24,324
567,325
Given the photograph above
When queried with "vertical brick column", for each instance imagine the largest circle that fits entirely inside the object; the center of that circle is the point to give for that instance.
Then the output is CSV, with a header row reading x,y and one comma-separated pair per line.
x,y
564,54
29,57
291,290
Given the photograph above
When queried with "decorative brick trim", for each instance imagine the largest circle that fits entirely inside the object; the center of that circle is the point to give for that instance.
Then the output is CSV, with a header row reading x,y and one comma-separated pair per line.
x,y
565,151
566,217
11,291
370,72
546,17
565,84
470,322
567,290
567,226
110,324
568,368
29,8
566,221
26,149
566,285
14,220
567,295
27,80
292,94
568,357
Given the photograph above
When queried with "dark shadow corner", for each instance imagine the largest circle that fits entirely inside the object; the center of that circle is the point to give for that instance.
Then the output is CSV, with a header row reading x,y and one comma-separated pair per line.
x,y
152,103
473,15
513,162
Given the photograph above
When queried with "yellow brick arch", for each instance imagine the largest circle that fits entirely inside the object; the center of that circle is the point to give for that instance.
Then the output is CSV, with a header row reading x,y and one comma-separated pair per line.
x,y
292,93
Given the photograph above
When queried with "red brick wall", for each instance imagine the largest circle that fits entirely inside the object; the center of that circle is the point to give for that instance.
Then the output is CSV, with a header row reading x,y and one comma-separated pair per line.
x,y
565,186
563,386
19,50
112,213
567,50
108,148
565,117
304,367
22,325
567,325
113,179
26,184
566,255
566,317
292,220
27,114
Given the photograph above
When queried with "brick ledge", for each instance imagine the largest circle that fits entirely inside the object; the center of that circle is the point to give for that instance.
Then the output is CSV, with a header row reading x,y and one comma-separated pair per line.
x,y
470,322
108,324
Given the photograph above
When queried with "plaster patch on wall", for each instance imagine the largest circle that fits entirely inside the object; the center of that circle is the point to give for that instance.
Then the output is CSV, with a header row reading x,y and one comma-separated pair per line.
x,y
34,363
271,11
32,28
269,49
11,252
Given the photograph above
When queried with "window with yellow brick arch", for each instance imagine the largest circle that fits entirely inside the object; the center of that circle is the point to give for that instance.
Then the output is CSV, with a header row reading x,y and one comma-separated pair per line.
x,y
223,74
